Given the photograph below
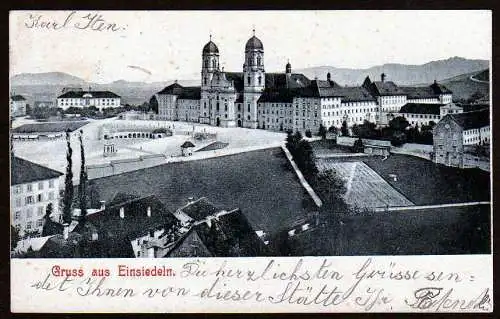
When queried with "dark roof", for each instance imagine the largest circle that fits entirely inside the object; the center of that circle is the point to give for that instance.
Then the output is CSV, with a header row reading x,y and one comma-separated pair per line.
x,y
352,94
229,235
17,98
281,80
472,120
190,93
187,144
115,233
419,92
474,107
50,127
174,89
200,209
95,94
421,108
276,95
237,78
386,88
254,44
210,47
23,171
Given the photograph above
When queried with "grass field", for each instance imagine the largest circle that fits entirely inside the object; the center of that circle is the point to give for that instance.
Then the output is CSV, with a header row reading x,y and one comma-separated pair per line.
x,y
424,182
260,183
365,188
455,230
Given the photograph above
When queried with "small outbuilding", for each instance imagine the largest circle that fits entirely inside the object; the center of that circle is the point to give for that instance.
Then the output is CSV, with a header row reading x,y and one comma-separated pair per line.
x,y
186,148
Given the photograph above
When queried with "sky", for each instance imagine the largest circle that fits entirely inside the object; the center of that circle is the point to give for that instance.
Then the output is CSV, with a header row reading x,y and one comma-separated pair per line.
x,y
165,45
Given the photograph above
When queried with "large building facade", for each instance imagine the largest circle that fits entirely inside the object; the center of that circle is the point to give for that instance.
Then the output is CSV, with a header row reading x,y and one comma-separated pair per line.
x,y
80,98
284,101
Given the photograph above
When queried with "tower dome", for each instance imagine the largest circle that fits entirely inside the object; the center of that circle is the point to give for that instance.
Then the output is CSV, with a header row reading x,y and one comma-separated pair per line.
x,y
210,48
254,44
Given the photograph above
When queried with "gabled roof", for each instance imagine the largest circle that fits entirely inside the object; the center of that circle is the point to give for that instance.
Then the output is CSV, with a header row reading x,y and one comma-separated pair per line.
x,y
17,98
421,108
276,95
229,235
386,88
419,92
23,171
199,209
187,144
172,89
353,94
94,94
472,120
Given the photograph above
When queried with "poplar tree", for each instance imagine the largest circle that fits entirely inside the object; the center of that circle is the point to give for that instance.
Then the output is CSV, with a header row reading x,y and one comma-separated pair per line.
x,y
68,183
82,186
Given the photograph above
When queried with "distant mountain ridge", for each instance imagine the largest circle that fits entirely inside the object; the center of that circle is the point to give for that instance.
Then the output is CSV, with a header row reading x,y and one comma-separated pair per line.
x,y
49,85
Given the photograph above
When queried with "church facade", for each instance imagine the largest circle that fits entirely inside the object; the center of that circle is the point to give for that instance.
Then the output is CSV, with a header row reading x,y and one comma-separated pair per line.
x,y
284,101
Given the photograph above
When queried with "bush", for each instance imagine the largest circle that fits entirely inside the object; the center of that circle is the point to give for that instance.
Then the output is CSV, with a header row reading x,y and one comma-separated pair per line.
x,y
398,138
308,133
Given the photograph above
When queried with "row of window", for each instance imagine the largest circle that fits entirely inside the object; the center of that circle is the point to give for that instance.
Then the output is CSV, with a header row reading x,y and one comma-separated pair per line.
x,y
18,189
422,116
28,200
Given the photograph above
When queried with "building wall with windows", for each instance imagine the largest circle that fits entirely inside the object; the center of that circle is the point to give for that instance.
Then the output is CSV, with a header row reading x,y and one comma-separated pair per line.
x,y
448,144
98,99
29,202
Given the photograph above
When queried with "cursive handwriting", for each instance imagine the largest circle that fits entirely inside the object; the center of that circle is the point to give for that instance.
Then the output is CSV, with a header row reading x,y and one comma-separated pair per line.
x,y
437,298
74,20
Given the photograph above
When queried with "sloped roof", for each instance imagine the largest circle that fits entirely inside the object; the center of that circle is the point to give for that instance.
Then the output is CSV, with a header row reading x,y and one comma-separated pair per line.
x,y
210,47
187,144
17,98
472,120
23,171
353,94
229,235
419,92
50,127
95,94
190,93
387,88
276,95
200,209
421,108
172,89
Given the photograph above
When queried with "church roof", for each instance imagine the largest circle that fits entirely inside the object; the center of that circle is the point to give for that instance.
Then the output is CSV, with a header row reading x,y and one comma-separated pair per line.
x,y
210,48
174,89
254,44
190,93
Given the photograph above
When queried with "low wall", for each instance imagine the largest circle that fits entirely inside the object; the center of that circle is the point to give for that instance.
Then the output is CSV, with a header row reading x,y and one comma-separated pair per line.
x,y
124,165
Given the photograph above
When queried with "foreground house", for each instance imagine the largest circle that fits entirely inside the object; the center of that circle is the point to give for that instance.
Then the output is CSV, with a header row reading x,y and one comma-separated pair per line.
x,y
455,133
33,187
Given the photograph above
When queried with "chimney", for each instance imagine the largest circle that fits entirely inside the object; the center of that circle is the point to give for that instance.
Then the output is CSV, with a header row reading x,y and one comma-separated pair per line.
x,y
382,77
328,77
149,211
103,204
66,231
122,212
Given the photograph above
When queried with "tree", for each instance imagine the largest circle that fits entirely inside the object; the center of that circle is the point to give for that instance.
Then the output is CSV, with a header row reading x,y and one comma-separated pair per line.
x,y
14,236
153,104
308,133
399,124
82,186
343,129
322,131
398,138
68,182
332,129
358,146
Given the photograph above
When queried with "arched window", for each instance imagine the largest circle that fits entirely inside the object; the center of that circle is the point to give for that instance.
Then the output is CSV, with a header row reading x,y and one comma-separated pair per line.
x,y
239,107
217,107
258,60
249,61
248,80
249,117
205,80
260,80
206,63
248,106
225,107
214,64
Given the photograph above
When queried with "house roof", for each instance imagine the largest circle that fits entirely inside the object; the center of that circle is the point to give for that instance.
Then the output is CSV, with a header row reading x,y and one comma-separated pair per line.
x,y
421,108
199,209
353,94
419,92
17,98
472,120
187,144
23,171
229,235
94,94
276,95
115,232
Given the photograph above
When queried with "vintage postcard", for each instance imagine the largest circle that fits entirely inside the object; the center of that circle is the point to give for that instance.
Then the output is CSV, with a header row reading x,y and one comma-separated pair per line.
x,y
251,161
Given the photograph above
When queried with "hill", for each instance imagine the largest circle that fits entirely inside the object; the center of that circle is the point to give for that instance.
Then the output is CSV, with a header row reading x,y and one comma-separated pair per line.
x,y
469,86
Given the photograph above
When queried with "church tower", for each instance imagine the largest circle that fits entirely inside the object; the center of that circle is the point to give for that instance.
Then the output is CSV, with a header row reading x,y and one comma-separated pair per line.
x,y
209,66
254,79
